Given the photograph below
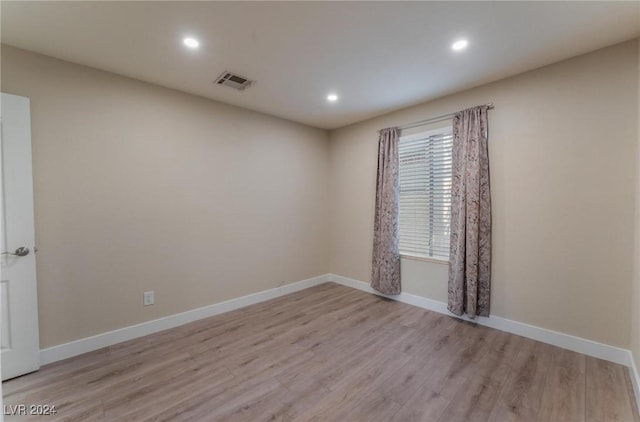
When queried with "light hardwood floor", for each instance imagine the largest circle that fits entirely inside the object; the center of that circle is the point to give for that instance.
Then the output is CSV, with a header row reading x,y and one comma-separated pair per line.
x,y
330,353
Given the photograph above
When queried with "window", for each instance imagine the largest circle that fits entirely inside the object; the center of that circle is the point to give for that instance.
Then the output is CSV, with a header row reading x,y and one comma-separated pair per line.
x,y
425,193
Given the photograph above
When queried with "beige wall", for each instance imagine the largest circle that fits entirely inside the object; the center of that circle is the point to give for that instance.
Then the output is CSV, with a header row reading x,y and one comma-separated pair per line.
x,y
562,150
139,187
635,316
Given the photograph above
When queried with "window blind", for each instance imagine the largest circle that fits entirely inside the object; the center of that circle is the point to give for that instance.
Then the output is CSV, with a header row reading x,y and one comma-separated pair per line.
x,y
425,193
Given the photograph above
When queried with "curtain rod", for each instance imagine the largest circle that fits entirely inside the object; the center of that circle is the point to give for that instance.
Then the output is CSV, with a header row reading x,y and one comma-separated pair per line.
x,y
436,119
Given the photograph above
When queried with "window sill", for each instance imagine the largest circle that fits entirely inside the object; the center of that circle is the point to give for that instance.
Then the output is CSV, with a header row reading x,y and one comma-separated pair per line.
x,y
425,259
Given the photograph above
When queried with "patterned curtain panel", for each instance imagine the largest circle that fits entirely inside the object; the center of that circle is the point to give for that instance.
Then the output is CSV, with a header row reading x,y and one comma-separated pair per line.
x,y
470,248
385,274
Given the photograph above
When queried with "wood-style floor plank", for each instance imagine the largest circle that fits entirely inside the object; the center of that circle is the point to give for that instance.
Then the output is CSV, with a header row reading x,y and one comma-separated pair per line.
x,y
474,400
423,405
329,353
522,393
607,399
565,388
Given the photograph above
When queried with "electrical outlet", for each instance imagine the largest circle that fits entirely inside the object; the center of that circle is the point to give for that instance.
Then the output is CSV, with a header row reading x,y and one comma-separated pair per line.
x,y
148,298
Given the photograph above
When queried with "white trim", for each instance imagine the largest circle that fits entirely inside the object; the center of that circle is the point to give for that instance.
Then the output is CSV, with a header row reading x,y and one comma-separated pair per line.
x,y
425,134
440,261
566,341
88,344
635,379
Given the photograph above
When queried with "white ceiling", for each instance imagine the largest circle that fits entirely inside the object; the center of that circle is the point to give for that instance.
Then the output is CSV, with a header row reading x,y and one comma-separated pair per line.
x,y
378,56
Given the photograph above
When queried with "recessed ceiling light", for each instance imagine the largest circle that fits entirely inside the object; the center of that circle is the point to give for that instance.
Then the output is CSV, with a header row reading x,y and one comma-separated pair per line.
x,y
459,45
332,98
191,42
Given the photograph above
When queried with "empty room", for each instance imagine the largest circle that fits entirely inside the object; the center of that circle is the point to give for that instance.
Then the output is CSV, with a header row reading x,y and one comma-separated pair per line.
x,y
320,211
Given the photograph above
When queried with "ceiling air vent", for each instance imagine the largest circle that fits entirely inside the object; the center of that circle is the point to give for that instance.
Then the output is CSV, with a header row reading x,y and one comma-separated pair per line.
x,y
234,81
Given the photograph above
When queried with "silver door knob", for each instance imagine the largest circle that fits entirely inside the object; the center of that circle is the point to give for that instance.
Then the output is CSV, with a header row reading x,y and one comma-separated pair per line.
x,y
21,251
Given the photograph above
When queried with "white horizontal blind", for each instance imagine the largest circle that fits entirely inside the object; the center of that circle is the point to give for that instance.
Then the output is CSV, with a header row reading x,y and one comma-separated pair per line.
x,y
425,193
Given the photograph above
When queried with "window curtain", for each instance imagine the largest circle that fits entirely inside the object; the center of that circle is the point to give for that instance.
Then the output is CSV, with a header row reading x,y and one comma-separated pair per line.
x,y
470,247
385,274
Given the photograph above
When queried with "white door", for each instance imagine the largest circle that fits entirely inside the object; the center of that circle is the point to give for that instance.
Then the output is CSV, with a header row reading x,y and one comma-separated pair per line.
x,y
19,345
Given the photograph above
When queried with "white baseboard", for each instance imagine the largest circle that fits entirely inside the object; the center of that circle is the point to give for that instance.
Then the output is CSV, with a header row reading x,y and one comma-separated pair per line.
x,y
635,379
566,341
88,344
